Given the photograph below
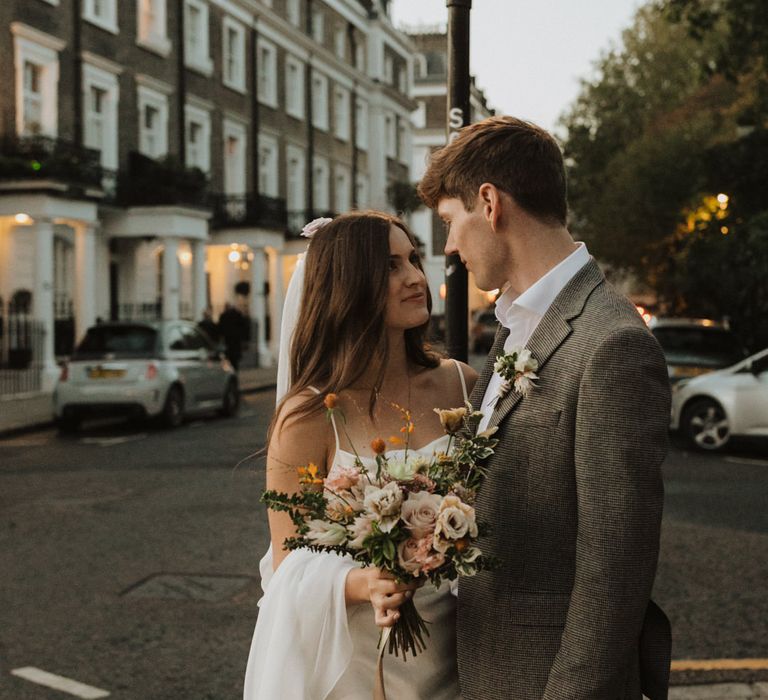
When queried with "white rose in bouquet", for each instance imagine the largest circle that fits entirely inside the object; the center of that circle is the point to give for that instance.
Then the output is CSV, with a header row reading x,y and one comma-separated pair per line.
x,y
455,520
384,504
420,511
325,533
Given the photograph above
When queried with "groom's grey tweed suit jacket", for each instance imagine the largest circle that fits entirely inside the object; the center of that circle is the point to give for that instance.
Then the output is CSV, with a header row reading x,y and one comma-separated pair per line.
x,y
574,496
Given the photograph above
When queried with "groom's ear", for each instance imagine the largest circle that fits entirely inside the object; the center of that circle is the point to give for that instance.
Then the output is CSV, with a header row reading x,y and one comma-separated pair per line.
x,y
489,198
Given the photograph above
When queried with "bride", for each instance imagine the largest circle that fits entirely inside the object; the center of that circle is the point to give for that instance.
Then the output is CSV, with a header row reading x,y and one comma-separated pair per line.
x,y
362,319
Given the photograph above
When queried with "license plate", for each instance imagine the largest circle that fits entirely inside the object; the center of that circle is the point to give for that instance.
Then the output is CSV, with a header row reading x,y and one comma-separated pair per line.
x,y
102,373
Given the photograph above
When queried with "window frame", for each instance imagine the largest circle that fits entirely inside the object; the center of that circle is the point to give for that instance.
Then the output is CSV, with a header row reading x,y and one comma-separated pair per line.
x,y
147,97
320,116
193,114
342,203
238,130
267,79
361,123
321,184
341,112
26,50
271,170
93,76
198,59
295,99
154,38
107,23
293,12
237,80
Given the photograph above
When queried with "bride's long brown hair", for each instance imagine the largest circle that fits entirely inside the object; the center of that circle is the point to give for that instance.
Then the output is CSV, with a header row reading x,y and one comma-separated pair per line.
x,y
341,332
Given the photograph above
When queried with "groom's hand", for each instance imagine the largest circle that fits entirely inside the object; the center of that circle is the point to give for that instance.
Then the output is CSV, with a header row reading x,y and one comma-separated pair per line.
x,y
387,595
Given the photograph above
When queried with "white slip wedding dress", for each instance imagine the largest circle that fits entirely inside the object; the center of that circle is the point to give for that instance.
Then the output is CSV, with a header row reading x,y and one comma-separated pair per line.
x,y
308,645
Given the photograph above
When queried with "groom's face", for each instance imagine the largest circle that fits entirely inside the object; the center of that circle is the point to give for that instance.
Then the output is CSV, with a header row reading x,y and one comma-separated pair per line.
x,y
470,236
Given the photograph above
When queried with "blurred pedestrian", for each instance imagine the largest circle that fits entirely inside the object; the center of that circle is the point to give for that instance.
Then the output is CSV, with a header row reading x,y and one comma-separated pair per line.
x,y
233,329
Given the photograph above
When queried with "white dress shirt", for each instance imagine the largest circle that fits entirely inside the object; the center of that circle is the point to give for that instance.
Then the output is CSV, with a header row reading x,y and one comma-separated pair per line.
x,y
522,314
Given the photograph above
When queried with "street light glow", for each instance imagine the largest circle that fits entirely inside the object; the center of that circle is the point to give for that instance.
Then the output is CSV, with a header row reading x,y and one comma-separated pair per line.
x,y
722,200
234,256
23,218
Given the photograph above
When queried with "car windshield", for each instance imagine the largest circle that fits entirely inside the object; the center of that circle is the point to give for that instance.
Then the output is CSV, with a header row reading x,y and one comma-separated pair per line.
x,y
118,342
699,346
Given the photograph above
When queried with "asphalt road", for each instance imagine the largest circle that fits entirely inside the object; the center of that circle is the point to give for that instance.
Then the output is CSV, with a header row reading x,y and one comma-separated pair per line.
x,y
129,556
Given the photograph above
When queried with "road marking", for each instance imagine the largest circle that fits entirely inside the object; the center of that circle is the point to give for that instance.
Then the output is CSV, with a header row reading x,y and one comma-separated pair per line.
x,y
67,685
747,460
720,665
108,442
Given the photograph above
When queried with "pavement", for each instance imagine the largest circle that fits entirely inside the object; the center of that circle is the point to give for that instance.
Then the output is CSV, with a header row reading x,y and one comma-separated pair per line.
x,y
26,412
31,411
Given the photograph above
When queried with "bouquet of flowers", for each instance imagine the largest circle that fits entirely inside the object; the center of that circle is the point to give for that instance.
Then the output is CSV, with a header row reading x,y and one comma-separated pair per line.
x,y
411,515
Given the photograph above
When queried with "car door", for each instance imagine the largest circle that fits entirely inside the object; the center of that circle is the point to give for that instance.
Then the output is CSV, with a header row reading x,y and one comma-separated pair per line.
x,y
210,378
752,398
187,361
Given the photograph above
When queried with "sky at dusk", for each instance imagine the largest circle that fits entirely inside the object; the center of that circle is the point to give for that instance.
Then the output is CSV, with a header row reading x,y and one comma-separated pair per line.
x,y
529,56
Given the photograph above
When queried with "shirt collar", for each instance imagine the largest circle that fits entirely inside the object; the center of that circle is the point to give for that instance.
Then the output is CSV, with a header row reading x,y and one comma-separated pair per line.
x,y
539,296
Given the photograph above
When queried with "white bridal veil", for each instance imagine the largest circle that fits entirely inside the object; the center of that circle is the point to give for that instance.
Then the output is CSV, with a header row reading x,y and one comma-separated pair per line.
x,y
301,645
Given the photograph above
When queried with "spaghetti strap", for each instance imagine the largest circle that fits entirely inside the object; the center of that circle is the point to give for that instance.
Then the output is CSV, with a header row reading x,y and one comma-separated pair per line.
x,y
463,381
333,420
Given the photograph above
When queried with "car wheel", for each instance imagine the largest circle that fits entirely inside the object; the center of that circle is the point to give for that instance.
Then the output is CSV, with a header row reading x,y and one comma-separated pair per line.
x,y
705,425
231,401
173,409
68,425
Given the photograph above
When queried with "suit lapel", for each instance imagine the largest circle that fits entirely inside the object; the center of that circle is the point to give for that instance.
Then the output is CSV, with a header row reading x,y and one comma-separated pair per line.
x,y
478,392
552,330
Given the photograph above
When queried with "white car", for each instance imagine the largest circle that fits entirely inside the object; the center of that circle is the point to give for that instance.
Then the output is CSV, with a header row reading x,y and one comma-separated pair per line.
x,y
710,409
164,369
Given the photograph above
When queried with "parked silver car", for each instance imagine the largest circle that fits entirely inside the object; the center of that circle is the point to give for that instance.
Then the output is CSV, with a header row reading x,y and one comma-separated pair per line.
x,y
165,369
709,410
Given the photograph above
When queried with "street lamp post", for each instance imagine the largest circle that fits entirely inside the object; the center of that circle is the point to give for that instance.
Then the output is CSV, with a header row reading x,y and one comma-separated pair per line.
x,y
456,287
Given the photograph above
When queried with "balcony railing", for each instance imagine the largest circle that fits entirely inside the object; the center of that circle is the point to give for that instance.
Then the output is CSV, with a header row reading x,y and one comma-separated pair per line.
x,y
248,210
149,182
41,158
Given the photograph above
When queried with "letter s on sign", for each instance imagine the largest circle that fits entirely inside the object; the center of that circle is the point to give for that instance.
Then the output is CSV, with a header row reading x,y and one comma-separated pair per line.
x,y
456,118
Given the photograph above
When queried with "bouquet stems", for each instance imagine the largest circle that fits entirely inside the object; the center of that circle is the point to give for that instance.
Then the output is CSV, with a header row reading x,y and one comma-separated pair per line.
x,y
408,632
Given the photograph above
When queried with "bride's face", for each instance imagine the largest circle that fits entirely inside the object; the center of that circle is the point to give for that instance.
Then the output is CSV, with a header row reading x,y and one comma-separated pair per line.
x,y
407,299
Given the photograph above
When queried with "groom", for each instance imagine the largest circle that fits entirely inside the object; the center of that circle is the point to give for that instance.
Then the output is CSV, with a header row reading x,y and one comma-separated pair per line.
x,y
574,490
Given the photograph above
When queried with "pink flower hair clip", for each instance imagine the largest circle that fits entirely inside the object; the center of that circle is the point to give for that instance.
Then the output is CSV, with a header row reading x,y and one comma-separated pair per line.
x,y
314,226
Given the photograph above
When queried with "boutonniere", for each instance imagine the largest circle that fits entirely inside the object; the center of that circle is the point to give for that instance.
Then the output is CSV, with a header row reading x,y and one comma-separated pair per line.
x,y
517,368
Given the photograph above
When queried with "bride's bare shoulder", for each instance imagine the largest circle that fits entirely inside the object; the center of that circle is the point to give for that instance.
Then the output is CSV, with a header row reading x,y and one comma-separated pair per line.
x,y
448,368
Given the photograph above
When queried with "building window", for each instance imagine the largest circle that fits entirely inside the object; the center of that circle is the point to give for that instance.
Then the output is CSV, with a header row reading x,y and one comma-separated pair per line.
x,y
37,87
361,192
196,49
294,87
341,113
360,56
419,116
234,157
402,79
403,137
293,12
318,26
102,13
234,54
101,96
152,26
198,134
296,186
268,165
319,101
340,42
390,135
267,73
341,189
361,124
321,195
389,70
153,126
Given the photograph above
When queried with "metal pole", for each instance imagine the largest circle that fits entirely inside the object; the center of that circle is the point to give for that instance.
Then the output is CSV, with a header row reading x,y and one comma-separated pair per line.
x,y
456,288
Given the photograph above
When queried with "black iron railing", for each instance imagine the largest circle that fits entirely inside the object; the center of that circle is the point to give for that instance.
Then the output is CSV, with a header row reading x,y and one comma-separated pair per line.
x,y
149,182
43,158
248,210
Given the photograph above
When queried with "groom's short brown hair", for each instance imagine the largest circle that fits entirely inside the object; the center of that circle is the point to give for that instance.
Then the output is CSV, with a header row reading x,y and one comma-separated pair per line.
x,y
516,156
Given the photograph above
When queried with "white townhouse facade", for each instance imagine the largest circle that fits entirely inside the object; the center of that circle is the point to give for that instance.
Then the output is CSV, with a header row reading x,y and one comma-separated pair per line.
x,y
156,163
